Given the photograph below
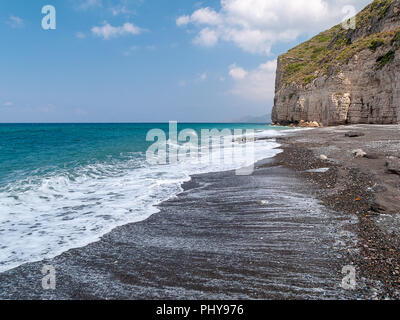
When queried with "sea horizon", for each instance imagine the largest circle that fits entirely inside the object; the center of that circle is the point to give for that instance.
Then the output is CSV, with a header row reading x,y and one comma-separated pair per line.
x,y
281,183
140,122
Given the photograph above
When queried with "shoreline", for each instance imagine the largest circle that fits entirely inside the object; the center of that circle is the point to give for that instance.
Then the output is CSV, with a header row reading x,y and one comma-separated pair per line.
x,y
224,237
141,211
356,186
139,260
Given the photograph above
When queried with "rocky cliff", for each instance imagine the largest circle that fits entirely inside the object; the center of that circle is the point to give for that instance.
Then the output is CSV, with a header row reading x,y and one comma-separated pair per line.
x,y
344,76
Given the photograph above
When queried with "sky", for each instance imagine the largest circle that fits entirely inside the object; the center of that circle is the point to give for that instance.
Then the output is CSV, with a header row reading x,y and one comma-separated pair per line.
x,y
151,60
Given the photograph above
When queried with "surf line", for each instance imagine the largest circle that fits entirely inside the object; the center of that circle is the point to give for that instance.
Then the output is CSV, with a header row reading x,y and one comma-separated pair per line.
x,y
211,147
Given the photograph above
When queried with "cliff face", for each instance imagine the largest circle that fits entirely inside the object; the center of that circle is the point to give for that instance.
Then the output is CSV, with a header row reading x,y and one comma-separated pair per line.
x,y
344,76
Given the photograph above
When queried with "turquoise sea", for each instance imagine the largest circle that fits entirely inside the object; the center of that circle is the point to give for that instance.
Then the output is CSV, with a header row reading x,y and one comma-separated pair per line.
x,y
65,185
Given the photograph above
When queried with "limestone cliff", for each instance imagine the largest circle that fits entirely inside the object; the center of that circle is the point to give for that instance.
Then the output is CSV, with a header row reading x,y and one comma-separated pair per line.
x,y
344,76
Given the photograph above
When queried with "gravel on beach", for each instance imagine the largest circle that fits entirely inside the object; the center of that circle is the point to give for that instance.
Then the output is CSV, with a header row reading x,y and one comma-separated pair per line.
x,y
358,186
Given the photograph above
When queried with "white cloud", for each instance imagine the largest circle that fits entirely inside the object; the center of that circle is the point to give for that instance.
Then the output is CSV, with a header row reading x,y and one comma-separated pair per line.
x,y
8,104
182,21
256,25
108,31
254,85
121,10
237,73
206,16
15,22
206,38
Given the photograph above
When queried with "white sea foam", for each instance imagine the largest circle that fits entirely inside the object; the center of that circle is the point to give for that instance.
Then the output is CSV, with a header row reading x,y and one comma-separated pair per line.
x,y
43,216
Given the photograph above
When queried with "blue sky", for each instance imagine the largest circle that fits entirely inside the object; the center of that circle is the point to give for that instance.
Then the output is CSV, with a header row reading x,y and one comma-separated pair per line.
x,y
150,60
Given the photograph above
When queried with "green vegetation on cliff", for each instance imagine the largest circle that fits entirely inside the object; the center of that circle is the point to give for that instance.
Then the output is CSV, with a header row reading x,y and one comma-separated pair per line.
x,y
335,47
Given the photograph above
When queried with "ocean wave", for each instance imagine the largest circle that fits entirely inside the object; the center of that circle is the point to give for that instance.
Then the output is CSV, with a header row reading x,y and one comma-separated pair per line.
x,y
49,213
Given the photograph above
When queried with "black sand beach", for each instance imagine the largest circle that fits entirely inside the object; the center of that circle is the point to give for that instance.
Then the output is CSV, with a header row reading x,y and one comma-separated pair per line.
x,y
282,233
360,186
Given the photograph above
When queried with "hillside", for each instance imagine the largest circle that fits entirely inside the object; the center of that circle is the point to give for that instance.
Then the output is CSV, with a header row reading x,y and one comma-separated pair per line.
x,y
344,76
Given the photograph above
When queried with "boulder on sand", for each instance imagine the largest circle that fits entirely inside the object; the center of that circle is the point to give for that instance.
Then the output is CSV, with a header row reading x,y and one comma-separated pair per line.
x,y
354,134
393,165
310,124
372,156
359,153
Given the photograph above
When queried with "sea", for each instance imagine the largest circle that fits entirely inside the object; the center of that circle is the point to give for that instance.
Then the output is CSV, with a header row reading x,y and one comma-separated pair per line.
x,y
64,186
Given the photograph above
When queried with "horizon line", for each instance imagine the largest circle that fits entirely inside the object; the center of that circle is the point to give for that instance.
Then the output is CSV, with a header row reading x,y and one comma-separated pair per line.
x,y
141,122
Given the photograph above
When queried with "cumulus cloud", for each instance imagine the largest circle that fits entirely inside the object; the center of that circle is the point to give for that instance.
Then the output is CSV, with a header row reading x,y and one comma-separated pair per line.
x,y
255,25
237,73
255,85
206,16
182,21
108,31
207,38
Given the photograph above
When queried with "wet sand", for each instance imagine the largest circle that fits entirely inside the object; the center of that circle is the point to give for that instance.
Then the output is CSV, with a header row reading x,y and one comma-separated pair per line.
x,y
225,237
361,187
282,233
